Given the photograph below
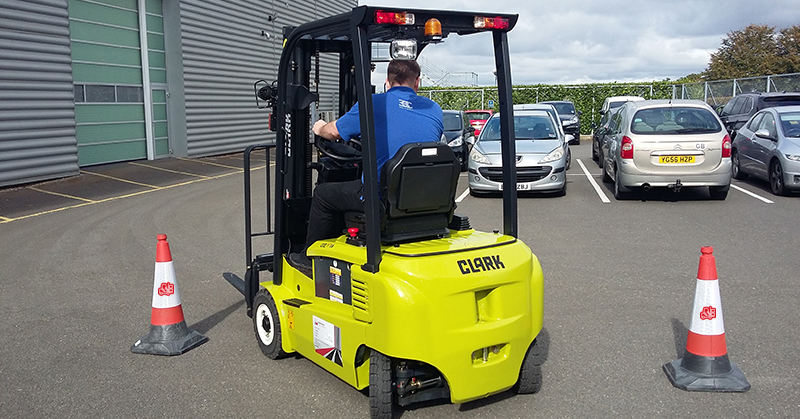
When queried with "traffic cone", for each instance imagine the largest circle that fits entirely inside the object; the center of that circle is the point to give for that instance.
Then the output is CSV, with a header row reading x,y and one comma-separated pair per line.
x,y
169,334
705,365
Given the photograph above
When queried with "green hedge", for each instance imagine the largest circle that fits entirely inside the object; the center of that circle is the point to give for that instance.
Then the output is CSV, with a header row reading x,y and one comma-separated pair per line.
x,y
587,98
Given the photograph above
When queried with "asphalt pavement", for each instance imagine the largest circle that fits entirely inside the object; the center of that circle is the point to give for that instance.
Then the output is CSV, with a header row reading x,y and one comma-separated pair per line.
x,y
77,278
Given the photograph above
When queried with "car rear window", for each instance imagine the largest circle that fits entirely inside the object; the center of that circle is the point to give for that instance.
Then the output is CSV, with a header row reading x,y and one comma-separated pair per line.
x,y
452,122
781,101
564,108
478,115
674,120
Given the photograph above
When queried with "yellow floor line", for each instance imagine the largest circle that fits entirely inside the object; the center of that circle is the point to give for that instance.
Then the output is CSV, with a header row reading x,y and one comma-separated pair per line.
x,y
121,180
60,194
167,170
211,163
6,220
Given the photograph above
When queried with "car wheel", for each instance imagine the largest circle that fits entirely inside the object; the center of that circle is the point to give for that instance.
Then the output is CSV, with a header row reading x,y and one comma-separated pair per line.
x,y
718,193
606,177
595,156
736,169
464,162
569,159
776,178
619,194
530,375
267,325
381,388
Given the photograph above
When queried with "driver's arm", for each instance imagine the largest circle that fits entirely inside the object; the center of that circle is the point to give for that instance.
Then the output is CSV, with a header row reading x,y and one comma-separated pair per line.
x,y
326,130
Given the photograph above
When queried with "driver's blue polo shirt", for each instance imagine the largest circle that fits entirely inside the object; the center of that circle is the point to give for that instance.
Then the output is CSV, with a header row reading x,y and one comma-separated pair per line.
x,y
401,117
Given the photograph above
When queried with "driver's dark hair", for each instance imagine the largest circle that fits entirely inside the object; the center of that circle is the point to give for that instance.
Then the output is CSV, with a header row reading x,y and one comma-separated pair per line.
x,y
404,72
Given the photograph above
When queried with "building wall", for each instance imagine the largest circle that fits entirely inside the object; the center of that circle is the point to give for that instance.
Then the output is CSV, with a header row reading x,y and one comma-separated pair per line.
x,y
37,112
226,47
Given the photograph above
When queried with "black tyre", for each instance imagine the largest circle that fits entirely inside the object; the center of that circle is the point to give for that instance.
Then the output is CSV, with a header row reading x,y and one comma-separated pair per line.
x,y
530,375
736,168
595,156
776,178
718,193
267,325
569,159
619,194
602,164
381,386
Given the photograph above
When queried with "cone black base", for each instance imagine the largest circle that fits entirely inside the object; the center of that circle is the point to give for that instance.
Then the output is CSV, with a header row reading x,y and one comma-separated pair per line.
x,y
173,339
730,381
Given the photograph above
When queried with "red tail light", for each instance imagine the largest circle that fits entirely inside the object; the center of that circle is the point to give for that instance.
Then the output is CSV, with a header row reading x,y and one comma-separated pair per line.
x,y
394,18
726,146
482,22
626,151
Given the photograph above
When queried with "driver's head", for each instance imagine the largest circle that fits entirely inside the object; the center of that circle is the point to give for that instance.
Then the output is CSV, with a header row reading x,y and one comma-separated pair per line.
x,y
403,73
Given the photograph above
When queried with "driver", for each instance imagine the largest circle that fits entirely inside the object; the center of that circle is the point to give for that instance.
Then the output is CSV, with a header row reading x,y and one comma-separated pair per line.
x,y
401,116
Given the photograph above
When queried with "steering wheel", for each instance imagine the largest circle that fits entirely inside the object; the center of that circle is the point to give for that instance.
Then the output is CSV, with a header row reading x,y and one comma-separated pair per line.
x,y
793,132
343,152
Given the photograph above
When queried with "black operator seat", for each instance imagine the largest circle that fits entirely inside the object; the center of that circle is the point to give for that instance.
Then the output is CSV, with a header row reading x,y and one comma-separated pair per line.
x,y
418,190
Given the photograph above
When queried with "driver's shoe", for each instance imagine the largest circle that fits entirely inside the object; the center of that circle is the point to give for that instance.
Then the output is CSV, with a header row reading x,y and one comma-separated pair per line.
x,y
301,262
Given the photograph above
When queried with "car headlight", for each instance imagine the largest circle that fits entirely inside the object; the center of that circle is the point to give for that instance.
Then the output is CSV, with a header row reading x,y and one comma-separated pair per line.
x,y
478,157
573,120
553,156
795,157
457,142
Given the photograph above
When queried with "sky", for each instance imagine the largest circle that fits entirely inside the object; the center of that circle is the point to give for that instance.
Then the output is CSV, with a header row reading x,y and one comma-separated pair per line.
x,y
588,41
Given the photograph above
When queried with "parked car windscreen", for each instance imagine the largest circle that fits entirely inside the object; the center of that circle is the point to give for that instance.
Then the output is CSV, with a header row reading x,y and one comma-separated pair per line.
x,y
452,122
790,122
538,126
564,108
674,120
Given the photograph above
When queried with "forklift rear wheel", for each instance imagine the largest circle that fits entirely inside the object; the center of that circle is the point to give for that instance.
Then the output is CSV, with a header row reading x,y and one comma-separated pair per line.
x,y
381,388
267,325
530,375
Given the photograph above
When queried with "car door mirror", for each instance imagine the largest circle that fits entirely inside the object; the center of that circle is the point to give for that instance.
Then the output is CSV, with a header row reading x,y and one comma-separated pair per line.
x,y
764,133
568,138
470,140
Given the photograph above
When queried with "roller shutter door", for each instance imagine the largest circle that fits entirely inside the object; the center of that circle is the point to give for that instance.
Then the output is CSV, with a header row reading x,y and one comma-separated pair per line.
x,y
37,116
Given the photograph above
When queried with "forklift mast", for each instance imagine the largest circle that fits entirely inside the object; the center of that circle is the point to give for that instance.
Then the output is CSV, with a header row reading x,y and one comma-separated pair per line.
x,y
350,35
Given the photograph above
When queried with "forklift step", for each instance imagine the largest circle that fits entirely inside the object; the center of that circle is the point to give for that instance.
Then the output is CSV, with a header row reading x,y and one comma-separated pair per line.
x,y
296,302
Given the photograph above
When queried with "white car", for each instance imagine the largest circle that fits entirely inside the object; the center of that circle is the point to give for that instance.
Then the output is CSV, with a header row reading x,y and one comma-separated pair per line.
x,y
617,101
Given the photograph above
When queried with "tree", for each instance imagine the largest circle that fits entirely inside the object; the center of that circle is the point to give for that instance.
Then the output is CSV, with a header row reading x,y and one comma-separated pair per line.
x,y
756,50
749,52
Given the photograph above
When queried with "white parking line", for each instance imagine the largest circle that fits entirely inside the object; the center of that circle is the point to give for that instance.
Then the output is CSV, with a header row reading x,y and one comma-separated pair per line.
x,y
597,189
754,195
462,196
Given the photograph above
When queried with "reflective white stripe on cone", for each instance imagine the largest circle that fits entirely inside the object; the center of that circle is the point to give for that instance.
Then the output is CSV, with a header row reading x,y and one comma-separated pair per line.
x,y
705,365
169,334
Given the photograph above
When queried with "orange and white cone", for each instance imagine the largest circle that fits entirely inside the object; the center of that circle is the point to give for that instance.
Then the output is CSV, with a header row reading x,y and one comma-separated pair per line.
x,y
705,365
169,334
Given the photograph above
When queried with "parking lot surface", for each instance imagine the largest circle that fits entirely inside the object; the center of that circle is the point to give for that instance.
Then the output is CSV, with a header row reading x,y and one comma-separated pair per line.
x,y
77,278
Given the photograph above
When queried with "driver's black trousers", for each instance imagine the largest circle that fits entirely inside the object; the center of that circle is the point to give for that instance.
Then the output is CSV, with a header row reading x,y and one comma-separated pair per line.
x,y
328,205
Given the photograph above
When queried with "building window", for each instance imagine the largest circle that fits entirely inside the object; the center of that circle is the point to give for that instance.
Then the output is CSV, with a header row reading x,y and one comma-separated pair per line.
x,y
104,93
100,93
130,94
78,89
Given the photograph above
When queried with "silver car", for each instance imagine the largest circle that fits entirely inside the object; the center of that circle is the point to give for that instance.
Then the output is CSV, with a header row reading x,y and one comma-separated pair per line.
x,y
541,155
667,143
768,147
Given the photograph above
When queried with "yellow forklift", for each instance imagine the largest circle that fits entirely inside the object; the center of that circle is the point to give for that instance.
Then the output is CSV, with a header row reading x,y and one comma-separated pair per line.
x,y
410,301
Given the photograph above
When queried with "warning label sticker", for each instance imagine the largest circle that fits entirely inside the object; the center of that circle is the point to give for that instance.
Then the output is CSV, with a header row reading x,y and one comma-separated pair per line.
x,y
327,340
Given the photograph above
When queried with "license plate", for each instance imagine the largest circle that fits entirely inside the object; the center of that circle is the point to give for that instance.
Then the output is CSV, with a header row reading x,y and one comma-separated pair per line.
x,y
675,159
520,187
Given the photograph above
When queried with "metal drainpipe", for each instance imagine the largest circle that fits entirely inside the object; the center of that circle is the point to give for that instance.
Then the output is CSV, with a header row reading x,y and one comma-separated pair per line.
x,y
146,88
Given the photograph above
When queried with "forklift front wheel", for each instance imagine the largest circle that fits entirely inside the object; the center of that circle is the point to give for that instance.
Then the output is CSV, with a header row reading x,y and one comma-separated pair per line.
x,y
381,388
530,375
267,325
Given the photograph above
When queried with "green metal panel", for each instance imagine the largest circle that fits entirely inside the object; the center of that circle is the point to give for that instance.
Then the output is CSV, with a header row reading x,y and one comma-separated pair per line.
x,y
155,41
106,153
160,130
105,133
100,13
106,54
95,73
125,4
155,24
159,96
162,147
109,112
153,6
158,75
157,59
159,111
84,31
